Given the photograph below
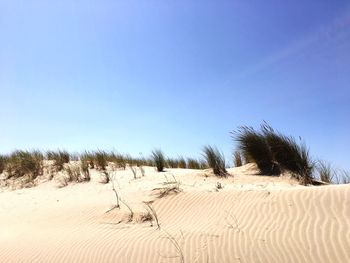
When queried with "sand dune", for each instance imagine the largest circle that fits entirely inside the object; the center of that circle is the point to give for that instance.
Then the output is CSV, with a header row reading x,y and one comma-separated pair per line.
x,y
251,219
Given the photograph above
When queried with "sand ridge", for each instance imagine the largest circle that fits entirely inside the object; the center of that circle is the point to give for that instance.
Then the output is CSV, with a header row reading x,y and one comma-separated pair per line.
x,y
251,219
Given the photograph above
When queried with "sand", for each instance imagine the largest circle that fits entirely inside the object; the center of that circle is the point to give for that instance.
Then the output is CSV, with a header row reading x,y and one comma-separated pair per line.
x,y
250,219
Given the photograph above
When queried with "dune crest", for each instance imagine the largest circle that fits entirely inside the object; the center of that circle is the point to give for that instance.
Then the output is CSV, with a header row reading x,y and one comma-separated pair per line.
x,y
248,219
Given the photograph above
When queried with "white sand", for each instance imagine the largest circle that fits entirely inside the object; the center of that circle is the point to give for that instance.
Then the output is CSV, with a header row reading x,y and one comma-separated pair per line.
x,y
251,219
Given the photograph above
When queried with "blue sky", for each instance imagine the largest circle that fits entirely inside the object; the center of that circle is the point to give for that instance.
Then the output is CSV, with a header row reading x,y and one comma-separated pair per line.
x,y
135,75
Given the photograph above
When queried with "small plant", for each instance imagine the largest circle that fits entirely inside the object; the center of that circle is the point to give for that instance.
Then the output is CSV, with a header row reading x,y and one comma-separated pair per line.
x,y
88,158
215,160
182,163
84,167
203,164
254,146
105,177
193,164
289,154
345,175
145,217
172,163
172,186
274,152
101,160
153,212
237,159
21,163
325,172
59,157
159,160
218,186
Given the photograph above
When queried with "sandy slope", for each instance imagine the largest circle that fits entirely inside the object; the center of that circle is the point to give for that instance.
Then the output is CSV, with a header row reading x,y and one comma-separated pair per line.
x,y
252,219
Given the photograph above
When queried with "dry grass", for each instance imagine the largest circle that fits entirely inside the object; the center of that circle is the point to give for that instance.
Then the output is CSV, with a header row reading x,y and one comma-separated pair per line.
x,y
153,213
59,157
21,163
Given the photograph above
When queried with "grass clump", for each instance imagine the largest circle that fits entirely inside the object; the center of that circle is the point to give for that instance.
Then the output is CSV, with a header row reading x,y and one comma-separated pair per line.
x,y
159,160
88,158
325,172
274,152
100,160
254,146
21,163
182,163
193,164
215,160
59,157
289,154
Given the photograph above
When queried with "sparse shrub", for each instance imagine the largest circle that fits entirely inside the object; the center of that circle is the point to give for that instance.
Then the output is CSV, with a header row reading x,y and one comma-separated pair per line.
x,y
159,159
237,159
215,160
193,164
59,157
254,146
21,163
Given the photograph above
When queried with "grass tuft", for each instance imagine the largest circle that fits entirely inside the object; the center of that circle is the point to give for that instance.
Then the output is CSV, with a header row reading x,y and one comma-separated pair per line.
x,y
193,164
59,157
274,152
21,163
325,172
253,145
158,159
289,154
100,160
215,160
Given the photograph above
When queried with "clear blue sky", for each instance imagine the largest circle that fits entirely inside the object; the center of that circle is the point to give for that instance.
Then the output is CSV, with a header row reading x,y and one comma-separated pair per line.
x,y
135,75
